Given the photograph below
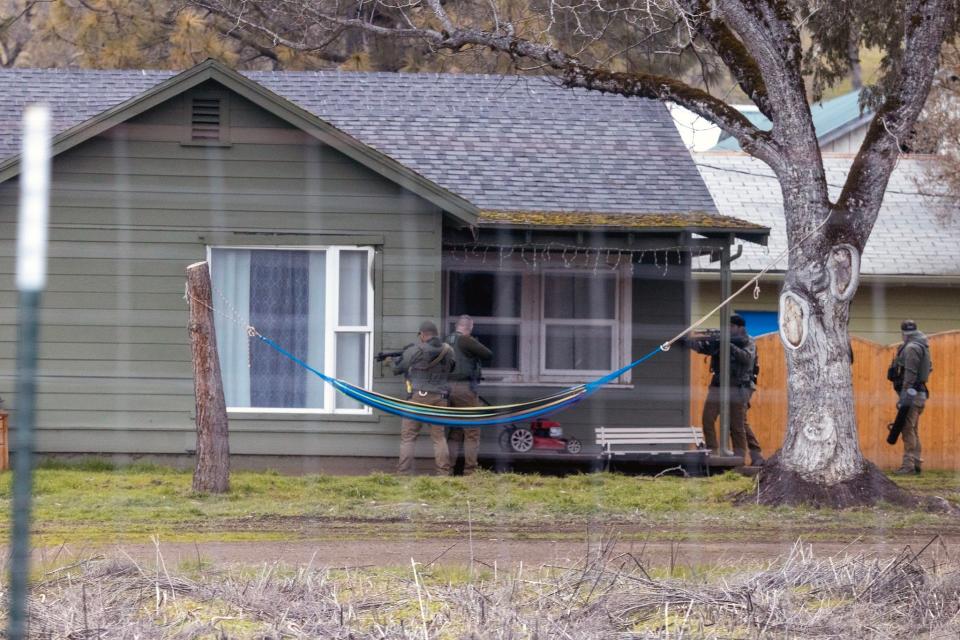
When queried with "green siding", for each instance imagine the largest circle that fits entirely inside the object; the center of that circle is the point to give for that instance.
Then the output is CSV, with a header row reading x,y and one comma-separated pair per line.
x,y
130,209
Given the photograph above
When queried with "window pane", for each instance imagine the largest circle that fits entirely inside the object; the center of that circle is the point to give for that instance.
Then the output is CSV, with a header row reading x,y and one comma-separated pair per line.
x,y
570,348
485,294
230,278
503,340
279,310
353,288
351,363
580,295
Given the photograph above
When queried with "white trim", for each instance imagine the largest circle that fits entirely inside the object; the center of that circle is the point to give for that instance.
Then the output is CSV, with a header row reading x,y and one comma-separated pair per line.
x,y
331,328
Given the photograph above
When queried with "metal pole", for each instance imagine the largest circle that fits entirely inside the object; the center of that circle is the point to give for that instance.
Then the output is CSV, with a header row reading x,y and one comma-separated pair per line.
x,y
31,279
725,291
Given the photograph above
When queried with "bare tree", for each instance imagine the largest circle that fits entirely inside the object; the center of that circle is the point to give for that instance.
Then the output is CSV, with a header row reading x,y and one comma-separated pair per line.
x,y
938,133
16,18
759,44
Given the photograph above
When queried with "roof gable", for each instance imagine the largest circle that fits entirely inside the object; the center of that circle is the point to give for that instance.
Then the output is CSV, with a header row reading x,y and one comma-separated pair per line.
x,y
475,143
171,87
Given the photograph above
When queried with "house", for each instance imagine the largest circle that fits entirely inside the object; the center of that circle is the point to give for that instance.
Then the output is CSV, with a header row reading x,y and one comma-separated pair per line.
x,y
339,210
910,267
841,124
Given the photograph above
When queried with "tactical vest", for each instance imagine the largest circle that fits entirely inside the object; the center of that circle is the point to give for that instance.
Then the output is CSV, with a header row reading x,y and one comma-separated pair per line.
x,y
895,372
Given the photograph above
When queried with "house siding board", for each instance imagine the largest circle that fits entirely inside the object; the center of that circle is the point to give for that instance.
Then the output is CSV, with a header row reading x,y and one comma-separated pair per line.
x,y
128,215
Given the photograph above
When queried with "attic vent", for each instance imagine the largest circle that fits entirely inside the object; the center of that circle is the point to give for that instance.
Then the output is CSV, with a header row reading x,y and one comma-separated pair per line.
x,y
205,119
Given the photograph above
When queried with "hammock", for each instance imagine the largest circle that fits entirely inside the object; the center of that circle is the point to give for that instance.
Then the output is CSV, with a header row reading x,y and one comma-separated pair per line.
x,y
463,416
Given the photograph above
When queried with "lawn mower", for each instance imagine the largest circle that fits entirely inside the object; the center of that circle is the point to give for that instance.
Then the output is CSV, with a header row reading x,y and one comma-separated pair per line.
x,y
545,435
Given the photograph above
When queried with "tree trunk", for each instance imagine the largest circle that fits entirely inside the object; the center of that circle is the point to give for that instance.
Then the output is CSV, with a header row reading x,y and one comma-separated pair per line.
x,y
820,462
212,474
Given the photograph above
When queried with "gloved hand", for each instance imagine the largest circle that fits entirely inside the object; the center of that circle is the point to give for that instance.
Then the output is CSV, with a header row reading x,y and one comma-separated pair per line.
x,y
907,398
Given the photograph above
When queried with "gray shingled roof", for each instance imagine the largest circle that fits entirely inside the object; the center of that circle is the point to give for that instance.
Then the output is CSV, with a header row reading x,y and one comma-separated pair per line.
x,y
503,143
914,234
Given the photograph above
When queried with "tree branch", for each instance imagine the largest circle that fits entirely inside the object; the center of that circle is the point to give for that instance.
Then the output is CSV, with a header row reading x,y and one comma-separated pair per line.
x,y
925,27
734,55
572,71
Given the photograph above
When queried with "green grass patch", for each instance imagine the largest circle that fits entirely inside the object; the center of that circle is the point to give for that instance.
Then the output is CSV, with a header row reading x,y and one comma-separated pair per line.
x,y
94,501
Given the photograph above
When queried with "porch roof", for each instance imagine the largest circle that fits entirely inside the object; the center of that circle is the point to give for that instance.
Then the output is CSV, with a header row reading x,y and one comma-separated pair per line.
x,y
700,222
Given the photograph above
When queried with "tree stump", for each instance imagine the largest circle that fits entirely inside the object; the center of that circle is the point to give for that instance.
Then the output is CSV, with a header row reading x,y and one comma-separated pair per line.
x,y
212,474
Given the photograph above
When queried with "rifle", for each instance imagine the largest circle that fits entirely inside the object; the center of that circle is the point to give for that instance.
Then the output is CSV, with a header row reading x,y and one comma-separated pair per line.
x,y
896,427
707,341
383,355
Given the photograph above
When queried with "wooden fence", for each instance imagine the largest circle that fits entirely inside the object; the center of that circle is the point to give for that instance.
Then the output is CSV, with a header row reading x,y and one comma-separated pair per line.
x,y
873,395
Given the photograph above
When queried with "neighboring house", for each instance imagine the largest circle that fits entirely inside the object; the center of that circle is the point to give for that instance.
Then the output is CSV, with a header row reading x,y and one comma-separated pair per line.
x,y
840,123
338,211
910,267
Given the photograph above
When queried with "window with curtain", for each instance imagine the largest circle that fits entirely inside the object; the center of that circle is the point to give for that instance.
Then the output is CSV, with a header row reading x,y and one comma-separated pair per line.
x,y
545,324
315,303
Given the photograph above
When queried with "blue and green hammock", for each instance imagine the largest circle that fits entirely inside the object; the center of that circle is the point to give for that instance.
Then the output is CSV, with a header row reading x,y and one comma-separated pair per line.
x,y
463,416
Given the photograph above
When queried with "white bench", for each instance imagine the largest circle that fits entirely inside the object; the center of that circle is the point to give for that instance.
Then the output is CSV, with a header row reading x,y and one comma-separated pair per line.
x,y
666,440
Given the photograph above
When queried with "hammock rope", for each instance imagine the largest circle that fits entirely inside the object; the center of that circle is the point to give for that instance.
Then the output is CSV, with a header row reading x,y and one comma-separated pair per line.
x,y
499,414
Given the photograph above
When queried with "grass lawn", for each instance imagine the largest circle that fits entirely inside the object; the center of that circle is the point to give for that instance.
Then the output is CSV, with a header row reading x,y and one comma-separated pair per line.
x,y
97,502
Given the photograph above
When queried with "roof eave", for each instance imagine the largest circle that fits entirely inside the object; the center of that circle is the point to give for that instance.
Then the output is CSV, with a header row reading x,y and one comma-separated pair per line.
x,y
382,164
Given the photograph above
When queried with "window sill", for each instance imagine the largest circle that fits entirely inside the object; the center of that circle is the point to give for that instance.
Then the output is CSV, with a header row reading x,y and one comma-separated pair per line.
x,y
301,416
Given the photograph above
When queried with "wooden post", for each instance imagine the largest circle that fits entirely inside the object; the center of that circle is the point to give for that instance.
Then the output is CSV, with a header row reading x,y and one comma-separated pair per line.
x,y
212,474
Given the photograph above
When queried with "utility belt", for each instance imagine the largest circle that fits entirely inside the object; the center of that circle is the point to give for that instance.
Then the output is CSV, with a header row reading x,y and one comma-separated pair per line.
x,y
919,387
421,394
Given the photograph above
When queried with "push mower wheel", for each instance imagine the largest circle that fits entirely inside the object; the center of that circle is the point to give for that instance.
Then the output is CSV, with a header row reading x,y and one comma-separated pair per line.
x,y
521,440
573,445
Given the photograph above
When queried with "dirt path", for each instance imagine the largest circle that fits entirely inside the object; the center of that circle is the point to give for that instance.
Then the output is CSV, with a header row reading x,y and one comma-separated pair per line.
x,y
450,551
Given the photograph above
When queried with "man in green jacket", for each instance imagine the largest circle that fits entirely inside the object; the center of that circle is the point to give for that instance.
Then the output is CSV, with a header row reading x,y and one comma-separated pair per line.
x,y
464,383
743,357
426,365
909,373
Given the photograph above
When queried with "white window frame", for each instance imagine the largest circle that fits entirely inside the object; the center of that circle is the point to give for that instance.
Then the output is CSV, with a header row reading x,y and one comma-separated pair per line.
x,y
332,326
616,324
532,339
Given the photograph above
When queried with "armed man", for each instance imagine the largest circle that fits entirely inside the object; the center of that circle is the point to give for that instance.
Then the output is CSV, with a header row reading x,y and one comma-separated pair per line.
x,y
909,373
743,369
464,384
426,364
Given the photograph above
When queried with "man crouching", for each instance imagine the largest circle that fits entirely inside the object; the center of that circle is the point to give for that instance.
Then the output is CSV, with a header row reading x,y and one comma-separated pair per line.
x,y
426,365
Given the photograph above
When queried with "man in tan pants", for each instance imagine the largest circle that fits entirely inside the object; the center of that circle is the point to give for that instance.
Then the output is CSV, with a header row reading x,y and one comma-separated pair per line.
x,y
426,365
909,373
464,382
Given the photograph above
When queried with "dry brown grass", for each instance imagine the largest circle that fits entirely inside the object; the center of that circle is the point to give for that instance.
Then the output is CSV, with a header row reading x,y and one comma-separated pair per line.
x,y
608,595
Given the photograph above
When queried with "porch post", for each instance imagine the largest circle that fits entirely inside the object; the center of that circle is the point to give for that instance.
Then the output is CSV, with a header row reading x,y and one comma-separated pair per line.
x,y
725,291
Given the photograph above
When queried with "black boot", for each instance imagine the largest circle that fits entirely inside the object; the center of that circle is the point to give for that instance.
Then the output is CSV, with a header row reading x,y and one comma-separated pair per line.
x,y
756,459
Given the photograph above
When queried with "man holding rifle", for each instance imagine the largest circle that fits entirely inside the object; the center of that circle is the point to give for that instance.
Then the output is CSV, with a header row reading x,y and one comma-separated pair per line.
x,y
909,373
743,371
425,364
